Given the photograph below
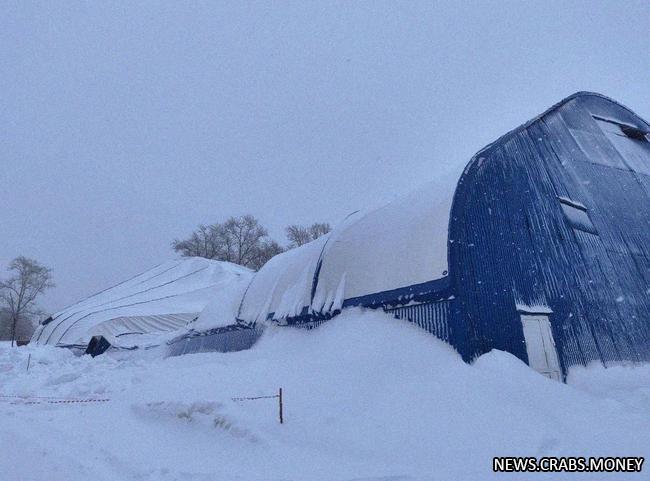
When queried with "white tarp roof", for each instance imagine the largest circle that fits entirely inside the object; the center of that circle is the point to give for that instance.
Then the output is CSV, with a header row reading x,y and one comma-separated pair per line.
x,y
155,301
397,245
283,285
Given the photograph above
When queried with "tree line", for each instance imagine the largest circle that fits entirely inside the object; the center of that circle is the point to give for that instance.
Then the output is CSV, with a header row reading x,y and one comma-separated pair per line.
x,y
243,240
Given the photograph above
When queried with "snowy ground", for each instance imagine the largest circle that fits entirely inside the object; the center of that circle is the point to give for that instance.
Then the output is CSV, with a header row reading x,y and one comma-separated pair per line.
x,y
366,398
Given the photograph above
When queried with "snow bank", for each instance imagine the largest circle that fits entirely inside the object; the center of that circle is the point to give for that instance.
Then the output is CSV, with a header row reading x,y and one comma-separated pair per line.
x,y
616,382
366,397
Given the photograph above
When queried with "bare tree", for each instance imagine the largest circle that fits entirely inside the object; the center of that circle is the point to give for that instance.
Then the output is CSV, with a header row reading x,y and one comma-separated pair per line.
x,y
267,249
19,292
299,235
5,324
206,241
24,328
241,240
318,229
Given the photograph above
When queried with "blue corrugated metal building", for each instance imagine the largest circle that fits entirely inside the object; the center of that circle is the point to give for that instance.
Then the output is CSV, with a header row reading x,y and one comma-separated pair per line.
x,y
542,249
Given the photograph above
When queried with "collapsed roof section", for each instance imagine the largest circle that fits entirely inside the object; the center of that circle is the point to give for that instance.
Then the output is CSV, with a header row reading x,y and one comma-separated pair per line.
x,y
161,299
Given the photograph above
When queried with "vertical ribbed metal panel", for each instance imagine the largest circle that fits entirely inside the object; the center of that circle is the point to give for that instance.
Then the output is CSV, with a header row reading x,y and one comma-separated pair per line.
x,y
511,242
432,317
217,340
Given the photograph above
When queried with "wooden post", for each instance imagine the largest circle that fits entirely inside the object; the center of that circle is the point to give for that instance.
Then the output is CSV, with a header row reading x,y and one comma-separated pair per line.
x,y
280,402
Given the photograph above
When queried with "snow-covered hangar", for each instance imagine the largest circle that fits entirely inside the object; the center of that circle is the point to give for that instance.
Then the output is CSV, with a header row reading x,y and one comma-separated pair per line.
x,y
542,250
135,313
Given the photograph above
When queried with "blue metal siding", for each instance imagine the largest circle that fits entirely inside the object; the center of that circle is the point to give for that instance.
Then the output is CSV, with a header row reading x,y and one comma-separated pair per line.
x,y
435,290
433,317
510,240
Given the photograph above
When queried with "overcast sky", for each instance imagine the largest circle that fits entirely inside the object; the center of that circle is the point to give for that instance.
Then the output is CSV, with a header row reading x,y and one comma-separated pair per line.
x,y
124,125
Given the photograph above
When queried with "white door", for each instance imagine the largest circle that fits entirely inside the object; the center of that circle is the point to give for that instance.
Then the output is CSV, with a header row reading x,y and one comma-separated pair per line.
x,y
542,355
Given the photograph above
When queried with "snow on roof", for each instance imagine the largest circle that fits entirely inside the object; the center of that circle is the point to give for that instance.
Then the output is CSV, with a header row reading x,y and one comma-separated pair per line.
x,y
283,286
397,245
224,305
182,287
121,326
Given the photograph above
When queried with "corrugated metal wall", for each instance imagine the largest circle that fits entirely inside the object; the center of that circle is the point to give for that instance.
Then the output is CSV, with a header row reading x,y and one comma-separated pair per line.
x,y
432,317
510,239
227,339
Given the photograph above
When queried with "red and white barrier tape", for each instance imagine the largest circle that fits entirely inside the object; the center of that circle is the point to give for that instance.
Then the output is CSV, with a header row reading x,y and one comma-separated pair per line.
x,y
46,400
254,398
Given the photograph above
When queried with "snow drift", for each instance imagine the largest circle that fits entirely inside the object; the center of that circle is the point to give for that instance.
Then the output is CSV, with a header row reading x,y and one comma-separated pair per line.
x,y
366,397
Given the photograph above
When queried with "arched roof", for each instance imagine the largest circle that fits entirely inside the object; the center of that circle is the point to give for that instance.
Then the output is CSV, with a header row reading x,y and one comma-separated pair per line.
x,y
396,245
156,300
599,97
